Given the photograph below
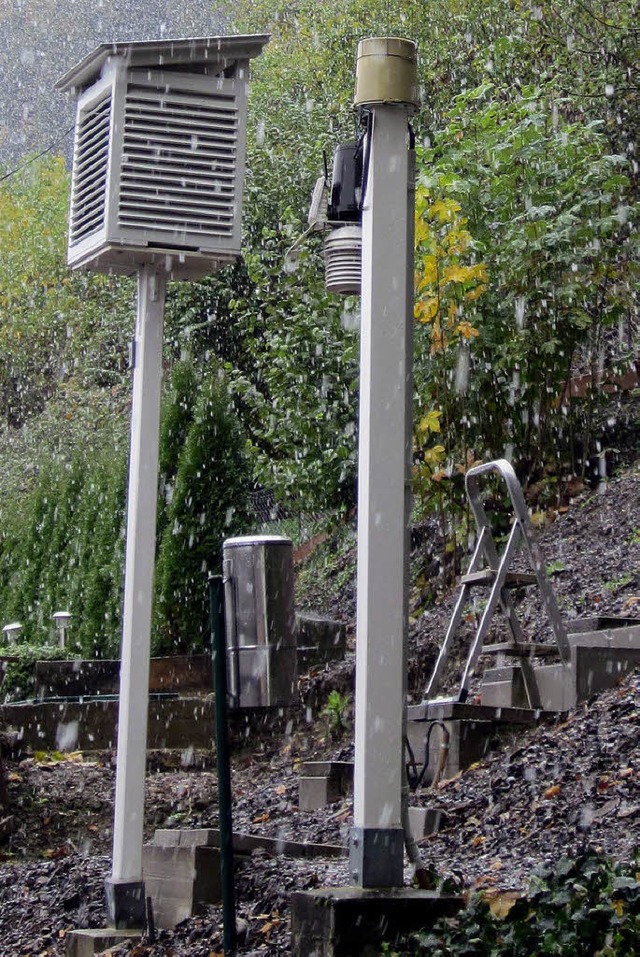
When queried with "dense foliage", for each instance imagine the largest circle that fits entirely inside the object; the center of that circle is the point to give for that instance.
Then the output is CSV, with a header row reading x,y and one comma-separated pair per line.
x,y
205,490
583,906
62,542
55,326
548,217
526,273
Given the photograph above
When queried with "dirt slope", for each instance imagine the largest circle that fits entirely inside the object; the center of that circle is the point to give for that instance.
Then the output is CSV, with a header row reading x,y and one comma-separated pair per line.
x,y
538,796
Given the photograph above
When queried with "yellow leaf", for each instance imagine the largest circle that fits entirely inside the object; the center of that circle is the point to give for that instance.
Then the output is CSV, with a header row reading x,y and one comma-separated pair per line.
x,y
618,907
426,309
472,294
444,210
501,904
435,455
422,230
479,272
458,241
552,792
438,338
430,422
430,271
457,273
466,330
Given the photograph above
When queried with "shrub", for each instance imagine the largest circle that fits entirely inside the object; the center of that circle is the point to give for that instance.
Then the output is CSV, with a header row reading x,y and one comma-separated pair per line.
x,y
583,906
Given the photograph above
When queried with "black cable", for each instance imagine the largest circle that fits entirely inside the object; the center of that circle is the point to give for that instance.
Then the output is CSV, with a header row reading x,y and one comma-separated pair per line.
x,y
32,159
415,777
365,136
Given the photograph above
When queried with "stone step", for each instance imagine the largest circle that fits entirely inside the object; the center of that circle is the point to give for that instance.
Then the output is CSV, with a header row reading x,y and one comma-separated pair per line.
x,y
323,782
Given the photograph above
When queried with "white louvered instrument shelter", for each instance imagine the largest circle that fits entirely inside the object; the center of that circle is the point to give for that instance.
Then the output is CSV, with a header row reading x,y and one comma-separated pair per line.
x,y
159,155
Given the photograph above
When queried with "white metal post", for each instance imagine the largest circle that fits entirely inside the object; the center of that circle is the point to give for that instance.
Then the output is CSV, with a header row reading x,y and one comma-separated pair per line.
x,y
377,848
125,892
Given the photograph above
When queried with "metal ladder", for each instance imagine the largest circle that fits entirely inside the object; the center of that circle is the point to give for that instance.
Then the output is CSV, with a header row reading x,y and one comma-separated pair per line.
x,y
496,576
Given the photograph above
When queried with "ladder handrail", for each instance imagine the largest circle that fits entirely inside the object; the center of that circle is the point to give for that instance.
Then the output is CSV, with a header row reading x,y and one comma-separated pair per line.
x,y
505,471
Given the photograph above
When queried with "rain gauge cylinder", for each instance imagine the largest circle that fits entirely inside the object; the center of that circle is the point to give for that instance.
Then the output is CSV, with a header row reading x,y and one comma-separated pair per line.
x,y
260,621
156,191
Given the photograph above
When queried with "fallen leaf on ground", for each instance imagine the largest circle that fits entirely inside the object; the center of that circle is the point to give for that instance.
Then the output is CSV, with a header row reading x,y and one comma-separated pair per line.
x,y
501,904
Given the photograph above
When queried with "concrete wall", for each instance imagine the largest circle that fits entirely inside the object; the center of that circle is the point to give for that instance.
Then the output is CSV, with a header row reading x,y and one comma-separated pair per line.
x,y
174,723
186,674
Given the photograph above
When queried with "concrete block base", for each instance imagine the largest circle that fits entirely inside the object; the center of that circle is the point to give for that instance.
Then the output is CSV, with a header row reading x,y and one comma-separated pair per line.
x,y
86,943
424,821
323,782
319,640
469,741
503,688
353,922
179,879
317,792
126,905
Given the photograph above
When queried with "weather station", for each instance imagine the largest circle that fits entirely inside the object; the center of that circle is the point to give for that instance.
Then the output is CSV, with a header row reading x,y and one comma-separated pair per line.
x,y
380,233
156,192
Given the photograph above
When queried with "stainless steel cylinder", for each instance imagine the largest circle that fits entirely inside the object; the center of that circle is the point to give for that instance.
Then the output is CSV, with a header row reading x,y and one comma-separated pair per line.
x,y
260,621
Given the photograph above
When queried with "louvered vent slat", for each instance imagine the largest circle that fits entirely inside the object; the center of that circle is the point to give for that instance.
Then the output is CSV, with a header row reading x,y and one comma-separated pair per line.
x,y
180,158
186,203
188,175
179,161
192,137
90,171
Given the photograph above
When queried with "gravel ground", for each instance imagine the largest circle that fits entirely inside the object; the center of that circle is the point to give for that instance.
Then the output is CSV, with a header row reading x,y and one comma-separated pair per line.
x,y
542,794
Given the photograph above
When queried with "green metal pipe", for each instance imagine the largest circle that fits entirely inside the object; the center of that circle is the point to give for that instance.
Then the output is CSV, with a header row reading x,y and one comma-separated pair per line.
x,y
216,611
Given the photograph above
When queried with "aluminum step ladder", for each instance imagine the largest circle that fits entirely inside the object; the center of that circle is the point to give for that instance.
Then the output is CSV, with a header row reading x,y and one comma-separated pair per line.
x,y
496,576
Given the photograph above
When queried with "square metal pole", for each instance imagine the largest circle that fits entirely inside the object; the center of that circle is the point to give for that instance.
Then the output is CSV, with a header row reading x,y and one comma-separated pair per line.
x,y
377,846
125,890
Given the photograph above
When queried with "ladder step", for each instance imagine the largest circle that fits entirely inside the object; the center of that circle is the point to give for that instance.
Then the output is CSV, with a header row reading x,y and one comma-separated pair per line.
x,y
525,650
488,576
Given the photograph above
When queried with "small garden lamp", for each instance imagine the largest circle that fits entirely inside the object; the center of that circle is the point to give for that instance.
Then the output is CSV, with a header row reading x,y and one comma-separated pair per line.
x,y
62,620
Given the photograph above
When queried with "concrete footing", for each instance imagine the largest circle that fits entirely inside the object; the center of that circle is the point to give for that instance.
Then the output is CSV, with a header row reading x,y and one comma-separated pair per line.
x,y
86,943
319,640
180,879
353,922
125,900
469,741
